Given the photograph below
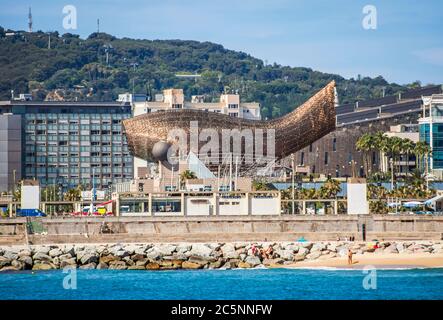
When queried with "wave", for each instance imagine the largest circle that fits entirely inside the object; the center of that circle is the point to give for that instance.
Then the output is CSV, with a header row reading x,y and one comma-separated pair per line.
x,y
359,268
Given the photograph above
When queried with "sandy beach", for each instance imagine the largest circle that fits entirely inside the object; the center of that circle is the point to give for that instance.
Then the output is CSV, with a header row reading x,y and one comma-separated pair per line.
x,y
423,260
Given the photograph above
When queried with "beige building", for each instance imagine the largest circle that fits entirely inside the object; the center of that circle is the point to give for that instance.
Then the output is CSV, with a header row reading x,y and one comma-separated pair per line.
x,y
174,99
404,131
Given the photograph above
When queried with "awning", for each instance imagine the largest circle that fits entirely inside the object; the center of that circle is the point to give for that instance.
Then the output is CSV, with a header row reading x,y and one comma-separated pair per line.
x,y
432,200
412,204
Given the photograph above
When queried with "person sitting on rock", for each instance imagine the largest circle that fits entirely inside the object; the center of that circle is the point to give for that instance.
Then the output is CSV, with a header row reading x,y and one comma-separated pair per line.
x,y
263,253
254,250
270,252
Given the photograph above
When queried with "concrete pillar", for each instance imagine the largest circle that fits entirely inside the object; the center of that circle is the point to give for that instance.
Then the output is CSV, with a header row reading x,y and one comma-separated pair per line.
x,y
215,204
150,204
279,204
183,205
303,207
248,201
216,211
10,205
117,206
336,206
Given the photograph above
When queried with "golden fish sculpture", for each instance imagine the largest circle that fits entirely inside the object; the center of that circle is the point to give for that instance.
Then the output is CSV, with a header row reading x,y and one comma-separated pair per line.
x,y
149,135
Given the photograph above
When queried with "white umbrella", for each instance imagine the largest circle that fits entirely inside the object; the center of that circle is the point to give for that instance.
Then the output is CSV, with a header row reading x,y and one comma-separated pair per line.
x,y
412,204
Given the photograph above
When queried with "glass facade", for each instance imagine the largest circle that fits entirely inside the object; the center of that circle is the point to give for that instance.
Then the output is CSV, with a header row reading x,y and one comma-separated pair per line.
x,y
437,142
69,145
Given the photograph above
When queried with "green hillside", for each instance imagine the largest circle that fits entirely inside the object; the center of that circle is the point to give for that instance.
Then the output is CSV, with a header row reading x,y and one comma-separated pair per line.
x,y
80,67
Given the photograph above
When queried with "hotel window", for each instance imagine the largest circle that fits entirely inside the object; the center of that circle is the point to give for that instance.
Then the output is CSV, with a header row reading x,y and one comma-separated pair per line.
x,y
326,158
437,110
233,114
177,106
334,144
232,106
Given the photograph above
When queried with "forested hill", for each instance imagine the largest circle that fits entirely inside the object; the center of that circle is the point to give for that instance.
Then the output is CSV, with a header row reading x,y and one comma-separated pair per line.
x,y
111,66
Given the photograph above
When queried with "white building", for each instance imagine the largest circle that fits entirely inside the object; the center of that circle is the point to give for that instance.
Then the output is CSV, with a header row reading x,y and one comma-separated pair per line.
x,y
174,99
406,163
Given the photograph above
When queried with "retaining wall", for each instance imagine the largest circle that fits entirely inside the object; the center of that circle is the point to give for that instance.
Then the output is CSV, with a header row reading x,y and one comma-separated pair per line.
x,y
236,228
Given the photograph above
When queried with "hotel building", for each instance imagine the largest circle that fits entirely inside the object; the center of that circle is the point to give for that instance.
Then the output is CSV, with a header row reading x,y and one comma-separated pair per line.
x,y
65,143
431,131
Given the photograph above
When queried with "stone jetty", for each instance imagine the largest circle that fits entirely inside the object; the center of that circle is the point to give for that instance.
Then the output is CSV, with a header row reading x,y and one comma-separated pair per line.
x,y
169,256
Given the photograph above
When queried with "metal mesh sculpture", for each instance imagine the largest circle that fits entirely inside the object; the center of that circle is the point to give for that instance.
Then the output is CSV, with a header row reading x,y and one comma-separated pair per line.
x,y
294,131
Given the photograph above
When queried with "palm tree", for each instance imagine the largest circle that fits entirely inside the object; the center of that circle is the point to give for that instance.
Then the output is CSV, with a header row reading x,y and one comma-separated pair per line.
x,y
330,189
408,148
377,192
421,150
364,144
73,194
378,139
260,186
17,194
186,175
308,193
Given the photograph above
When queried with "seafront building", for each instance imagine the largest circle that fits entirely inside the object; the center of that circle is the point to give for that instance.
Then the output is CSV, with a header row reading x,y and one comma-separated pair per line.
x,y
65,143
431,131
335,154
10,150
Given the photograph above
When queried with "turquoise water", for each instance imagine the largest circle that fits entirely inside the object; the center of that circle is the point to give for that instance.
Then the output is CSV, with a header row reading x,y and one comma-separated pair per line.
x,y
224,284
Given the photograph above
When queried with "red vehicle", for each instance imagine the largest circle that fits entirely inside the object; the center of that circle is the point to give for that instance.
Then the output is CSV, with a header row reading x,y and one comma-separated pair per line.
x,y
99,210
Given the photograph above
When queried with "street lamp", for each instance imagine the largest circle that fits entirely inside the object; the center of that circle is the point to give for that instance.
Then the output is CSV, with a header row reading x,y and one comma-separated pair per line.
x,y
391,162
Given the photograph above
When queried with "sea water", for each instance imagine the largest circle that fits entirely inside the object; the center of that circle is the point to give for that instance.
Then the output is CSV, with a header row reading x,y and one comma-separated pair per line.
x,y
223,284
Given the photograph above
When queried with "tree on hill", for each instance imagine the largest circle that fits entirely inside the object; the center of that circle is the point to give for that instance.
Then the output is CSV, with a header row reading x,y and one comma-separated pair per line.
x,y
110,65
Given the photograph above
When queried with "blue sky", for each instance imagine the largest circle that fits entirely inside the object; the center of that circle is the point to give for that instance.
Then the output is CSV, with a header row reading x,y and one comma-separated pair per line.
x,y
328,36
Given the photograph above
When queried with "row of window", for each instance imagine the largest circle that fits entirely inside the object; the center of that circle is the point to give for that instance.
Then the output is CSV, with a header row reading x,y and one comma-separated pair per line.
x,y
45,149
55,121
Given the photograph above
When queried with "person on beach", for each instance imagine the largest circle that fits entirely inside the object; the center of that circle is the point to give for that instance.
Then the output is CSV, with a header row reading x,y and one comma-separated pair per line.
x,y
270,252
263,253
254,250
349,256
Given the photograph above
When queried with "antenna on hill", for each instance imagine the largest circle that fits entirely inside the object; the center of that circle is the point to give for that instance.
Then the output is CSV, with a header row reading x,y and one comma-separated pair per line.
x,y
49,40
30,20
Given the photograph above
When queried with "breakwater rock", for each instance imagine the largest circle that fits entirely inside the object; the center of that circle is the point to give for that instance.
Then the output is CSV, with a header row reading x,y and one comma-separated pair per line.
x,y
195,256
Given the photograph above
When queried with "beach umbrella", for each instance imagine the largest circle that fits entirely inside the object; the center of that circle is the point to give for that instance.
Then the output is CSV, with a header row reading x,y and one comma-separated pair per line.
x,y
393,204
412,204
